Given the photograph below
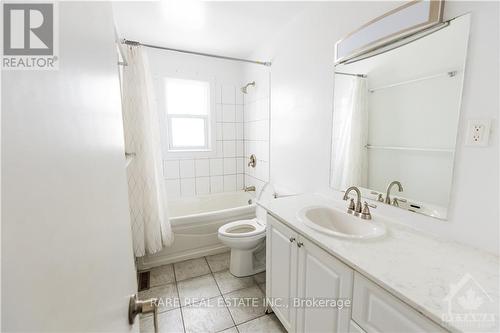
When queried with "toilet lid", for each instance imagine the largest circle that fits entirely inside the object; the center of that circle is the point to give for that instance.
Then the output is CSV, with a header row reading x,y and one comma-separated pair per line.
x,y
242,228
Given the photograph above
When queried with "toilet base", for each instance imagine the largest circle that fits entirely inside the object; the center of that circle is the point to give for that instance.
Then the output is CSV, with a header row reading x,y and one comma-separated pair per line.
x,y
241,263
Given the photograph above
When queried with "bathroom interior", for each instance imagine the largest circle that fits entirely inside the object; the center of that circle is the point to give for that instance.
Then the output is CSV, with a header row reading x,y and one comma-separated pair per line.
x,y
251,166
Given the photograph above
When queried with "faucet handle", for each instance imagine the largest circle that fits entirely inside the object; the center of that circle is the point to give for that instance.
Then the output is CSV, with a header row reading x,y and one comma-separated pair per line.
x,y
396,201
379,195
352,206
365,214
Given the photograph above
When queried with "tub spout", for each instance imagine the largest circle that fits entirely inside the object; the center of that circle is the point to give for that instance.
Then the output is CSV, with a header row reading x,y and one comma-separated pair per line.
x,y
250,189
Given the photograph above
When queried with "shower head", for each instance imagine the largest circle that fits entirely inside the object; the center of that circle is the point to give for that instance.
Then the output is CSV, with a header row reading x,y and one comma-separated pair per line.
x,y
245,88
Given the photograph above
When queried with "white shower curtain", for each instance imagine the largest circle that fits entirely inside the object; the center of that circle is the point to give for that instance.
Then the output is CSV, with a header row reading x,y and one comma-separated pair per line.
x,y
147,196
350,132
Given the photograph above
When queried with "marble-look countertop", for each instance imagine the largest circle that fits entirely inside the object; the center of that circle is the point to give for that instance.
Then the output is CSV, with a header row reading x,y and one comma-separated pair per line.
x,y
416,267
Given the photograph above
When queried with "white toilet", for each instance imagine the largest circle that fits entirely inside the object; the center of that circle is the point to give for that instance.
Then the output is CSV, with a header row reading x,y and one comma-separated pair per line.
x,y
244,237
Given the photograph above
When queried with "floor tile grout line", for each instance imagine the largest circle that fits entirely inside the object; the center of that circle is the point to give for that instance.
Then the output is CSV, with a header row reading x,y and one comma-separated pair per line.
x,y
247,321
179,297
221,295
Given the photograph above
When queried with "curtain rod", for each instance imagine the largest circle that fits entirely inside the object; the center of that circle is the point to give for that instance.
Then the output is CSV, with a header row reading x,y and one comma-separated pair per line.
x,y
132,42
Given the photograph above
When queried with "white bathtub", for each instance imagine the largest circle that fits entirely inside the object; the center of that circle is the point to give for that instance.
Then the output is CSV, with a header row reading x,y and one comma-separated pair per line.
x,y
195,222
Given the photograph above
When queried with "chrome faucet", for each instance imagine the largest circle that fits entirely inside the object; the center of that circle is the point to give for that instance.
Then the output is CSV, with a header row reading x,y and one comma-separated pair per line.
x,y
250,189
353,208
389,187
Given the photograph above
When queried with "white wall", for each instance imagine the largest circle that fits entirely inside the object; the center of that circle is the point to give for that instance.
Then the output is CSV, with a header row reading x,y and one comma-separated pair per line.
x,y
67,261
301,112
256,121
223,169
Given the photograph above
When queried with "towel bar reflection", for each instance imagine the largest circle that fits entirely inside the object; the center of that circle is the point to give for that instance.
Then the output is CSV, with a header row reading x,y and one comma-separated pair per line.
x,y
424,149
449,74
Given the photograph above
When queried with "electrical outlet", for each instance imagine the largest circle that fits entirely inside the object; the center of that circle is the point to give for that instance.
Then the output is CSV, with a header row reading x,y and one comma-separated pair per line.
x,y
478,132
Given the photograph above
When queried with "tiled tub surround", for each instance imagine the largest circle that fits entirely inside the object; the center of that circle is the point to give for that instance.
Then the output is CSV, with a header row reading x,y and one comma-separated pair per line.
x,y
417,268
206,298
256,125
224,171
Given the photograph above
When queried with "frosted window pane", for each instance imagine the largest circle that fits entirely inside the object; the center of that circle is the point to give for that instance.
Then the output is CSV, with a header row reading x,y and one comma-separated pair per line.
x,y
188,132
187,96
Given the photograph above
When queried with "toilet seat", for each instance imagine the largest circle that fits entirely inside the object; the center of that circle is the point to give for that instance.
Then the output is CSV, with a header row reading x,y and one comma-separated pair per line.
x,y
242,229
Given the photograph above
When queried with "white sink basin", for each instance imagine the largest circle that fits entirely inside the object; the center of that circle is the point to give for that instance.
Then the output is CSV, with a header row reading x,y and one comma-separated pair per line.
x,y
335,222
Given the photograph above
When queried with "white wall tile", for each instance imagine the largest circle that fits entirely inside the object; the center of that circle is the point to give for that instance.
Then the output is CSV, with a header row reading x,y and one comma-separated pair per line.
x,y
228,94
229,166
171,169
173,188
219,148
229,131
218,113
216,167
239,131
240,181
188,187
240,149
229,148
239,113
228,113
218,131
202,168
239,96
187,169
240,165
216,184
202,185
264,150
229,183
249,112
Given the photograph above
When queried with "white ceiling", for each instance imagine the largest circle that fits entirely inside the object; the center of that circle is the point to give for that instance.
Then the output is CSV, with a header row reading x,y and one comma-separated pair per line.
x,y
226,28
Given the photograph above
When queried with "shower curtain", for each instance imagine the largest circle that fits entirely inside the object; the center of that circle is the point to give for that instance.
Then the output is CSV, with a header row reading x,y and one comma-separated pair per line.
x,y
151,228
350,126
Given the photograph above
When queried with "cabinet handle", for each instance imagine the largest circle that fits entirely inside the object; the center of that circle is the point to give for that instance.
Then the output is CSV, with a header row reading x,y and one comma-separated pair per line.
x,y
292,239
299,244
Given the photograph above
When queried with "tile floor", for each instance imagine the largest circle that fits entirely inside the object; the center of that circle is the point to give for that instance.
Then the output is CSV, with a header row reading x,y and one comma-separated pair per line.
x,y
200,295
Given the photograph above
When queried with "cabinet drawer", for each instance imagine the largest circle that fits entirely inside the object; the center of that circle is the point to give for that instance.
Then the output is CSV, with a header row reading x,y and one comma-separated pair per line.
x,y
376,310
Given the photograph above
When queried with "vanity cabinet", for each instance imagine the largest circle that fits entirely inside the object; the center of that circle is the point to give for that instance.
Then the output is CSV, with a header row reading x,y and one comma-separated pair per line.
x,y
298,270
375,310
281,270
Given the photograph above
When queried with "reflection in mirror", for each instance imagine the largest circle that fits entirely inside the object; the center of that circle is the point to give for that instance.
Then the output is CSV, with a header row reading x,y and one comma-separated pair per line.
x,y
395,121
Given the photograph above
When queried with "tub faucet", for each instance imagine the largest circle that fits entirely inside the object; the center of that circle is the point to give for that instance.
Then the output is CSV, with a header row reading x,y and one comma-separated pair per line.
x,y
356,209
250,189
389,187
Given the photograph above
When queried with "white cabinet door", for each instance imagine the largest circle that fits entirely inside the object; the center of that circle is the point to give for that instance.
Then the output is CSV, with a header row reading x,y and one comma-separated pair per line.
x,y
281,266
322,276
354,328
375,310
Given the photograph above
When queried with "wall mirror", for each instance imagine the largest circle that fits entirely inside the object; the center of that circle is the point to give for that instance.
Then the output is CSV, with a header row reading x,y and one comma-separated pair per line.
x,y
395,119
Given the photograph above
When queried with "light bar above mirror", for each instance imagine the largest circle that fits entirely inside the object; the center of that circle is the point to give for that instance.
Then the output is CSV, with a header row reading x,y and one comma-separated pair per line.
x,y
401,22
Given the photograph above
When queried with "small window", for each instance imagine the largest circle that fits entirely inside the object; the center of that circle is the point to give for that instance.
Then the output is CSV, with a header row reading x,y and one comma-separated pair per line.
x,y
188,114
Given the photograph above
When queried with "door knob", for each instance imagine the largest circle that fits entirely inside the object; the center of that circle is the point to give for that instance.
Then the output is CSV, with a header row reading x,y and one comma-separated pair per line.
x,y
292,239
300,244
135,306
